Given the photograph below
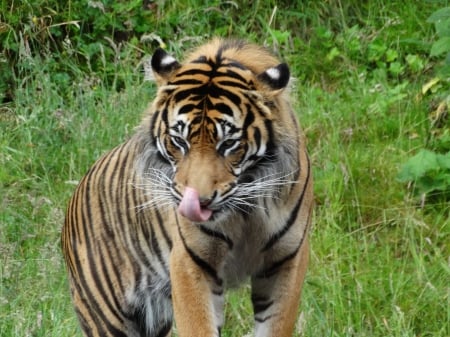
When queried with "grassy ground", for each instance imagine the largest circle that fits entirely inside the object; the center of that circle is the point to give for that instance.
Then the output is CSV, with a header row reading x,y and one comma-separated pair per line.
x,y
379,261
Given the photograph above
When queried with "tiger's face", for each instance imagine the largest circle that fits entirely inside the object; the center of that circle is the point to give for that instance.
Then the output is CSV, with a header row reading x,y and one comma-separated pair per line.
x,y
213,122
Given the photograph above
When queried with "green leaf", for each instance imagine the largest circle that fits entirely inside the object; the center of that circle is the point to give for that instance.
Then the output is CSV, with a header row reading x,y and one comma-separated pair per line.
x,y
442,28
444,161
418,166
430,184
396,68
415,62
439,15
440,46
391,55
376,50
333,53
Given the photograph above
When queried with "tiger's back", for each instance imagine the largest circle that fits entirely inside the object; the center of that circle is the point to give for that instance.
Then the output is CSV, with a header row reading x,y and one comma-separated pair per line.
x,y
213,188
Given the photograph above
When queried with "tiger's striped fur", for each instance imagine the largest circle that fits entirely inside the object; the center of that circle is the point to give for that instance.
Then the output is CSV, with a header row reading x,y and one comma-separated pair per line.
x,y
213,189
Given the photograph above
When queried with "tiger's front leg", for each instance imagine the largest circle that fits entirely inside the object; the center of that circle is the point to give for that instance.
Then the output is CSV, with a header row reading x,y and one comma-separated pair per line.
x,y
276,296
197,293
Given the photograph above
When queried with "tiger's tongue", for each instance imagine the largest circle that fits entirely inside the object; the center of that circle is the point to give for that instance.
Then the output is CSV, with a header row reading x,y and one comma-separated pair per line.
x,y
190,206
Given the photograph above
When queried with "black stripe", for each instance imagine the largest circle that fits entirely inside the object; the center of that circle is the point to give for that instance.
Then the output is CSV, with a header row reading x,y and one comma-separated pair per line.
x,y
163,228
143,219
194,72
292,216
83,323
153,122
230,73
257,138
86,218
253,106
188,81
262,320
249,119
212,91
164,117
261,304
116,332
195,121
203,265
144,222
199,261
201,59
224,109
220,51
182,95
73,232
106,273
273,269
217,235
103,194
165,329
233,84
157,248
218,292
275,237
270,145
236,99
236,65
187,108
100,288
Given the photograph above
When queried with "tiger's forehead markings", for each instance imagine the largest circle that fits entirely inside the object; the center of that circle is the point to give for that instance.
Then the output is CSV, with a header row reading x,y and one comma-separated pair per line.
x,y
216,88
212,90
212,121
225,129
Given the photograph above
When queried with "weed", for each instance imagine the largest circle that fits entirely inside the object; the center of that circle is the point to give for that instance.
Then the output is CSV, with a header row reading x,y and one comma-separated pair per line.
x,y
429,169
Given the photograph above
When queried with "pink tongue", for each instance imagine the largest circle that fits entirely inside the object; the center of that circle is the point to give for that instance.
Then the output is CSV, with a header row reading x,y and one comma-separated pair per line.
x,y
190,206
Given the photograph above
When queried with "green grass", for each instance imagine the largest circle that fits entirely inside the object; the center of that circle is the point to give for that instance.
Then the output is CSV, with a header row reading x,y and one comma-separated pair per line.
x,y
379,261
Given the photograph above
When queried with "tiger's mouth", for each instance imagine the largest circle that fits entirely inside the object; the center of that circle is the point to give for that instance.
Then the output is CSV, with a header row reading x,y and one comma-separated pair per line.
x,y
191,208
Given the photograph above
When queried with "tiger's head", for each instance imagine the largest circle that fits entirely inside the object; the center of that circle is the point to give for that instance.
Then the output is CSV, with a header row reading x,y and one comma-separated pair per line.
x,y
216,120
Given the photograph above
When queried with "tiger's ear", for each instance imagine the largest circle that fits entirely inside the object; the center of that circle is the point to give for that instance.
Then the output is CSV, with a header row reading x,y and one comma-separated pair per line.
x,y
163,65
275,78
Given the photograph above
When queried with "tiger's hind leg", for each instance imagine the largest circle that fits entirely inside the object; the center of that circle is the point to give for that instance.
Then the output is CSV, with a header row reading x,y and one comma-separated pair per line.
x,y
149,315
101,319
164,329
152,307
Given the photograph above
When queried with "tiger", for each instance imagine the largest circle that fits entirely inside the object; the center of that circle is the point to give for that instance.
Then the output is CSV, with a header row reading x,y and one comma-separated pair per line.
x,y
212,190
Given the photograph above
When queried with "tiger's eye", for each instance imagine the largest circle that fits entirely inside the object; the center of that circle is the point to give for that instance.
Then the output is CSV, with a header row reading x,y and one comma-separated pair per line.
x,y
228,143
178,140
180,143
227,146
